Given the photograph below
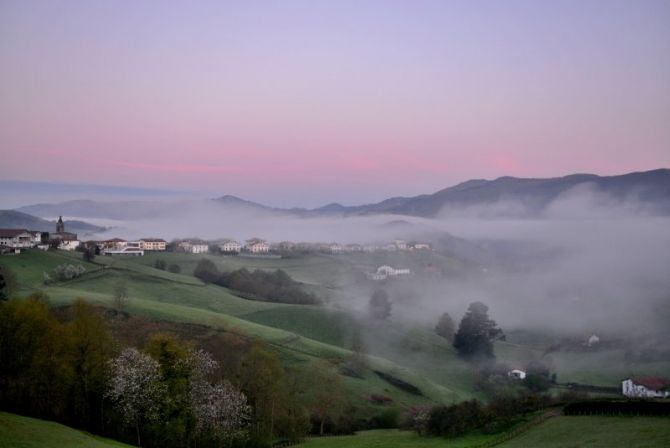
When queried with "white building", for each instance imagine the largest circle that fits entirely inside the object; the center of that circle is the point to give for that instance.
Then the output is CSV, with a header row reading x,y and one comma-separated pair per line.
x,y
386,271
194,247
128,251
335,248
400,244
157,244
16,238
421,246
257,246
647,387
230,246
516,374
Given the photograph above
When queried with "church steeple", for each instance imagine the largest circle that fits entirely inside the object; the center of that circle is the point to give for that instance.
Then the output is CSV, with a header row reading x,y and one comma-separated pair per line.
x,y
60,226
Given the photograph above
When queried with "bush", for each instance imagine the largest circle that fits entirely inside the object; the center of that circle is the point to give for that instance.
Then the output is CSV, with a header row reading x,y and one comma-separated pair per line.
x,y
206,271
274,286
174,268
160,264
68,271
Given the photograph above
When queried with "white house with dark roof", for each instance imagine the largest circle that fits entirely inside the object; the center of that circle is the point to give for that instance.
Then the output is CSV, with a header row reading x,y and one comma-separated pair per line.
x,y
230,246
16,238
157,244
646,387
257,246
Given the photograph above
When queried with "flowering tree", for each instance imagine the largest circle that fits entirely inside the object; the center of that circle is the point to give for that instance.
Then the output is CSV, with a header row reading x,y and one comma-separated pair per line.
x,y
135,387
218,408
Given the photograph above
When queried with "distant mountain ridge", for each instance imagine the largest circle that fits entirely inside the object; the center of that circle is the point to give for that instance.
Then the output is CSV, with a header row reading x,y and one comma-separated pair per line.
x,y
12,219
649,188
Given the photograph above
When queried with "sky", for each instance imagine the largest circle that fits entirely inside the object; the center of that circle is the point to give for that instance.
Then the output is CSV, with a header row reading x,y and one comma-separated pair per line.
x,y
301,103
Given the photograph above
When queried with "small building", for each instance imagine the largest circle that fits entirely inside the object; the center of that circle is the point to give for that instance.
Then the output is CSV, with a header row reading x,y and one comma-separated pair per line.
x,y
592,341
155,244
129,249
385,271
517,374
421,246
16,238
194,247
646,387
257,246
113,244
335,248
400,244
230,246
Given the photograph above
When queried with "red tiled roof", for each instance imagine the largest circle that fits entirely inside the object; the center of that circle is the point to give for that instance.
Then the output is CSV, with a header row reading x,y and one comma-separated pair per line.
x,y
11,233
153,240
652,382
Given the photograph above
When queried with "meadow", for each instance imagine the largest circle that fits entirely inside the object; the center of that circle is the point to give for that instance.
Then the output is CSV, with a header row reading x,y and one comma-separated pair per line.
x,y
24,432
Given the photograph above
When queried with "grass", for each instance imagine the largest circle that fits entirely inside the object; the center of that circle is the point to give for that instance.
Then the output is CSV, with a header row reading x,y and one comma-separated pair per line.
x,y
596,432
392,438
24,432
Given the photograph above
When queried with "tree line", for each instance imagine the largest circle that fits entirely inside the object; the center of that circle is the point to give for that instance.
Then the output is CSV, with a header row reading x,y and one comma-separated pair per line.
x,y
272,286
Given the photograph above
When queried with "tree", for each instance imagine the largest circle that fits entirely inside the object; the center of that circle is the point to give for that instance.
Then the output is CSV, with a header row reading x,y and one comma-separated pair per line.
x,y
120,295
174,268
219,409
380,306
91,347
324,403
135,388
206,271
8,284
476,333
445,327
160,264
88,252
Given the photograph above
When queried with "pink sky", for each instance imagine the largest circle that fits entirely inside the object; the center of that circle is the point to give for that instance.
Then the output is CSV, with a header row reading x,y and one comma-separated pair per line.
x,y
302,103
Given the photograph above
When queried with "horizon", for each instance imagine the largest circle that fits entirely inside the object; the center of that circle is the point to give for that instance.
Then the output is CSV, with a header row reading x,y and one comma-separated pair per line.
x,y
134,193
305,103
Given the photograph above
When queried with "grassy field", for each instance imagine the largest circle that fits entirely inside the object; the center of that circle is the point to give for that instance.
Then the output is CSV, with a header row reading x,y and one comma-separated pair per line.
x,y
557,432
392,438
24,432
596,432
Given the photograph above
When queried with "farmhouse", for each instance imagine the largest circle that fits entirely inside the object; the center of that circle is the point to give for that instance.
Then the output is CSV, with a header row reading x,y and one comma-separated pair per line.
x,y
386,271
516,374
16,238
157,244
646,386
230,246
193,246
257,246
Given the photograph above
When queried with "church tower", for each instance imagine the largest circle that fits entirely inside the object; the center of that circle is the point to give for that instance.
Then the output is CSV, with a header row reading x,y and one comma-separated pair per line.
x,y
60,227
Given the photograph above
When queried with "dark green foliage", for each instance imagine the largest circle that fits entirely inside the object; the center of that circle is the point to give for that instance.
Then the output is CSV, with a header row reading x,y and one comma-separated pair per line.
x,y
206,271
476,333
457,419
445,327
538,377
174,268
380,306
88,252
160,264
274,286
8,284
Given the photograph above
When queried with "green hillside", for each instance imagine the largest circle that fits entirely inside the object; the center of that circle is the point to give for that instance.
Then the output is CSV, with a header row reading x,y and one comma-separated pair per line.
x,y
302,334
25,432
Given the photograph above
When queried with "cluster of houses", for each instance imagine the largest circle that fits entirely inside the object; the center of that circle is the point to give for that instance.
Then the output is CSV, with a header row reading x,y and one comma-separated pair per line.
x,y
12,241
